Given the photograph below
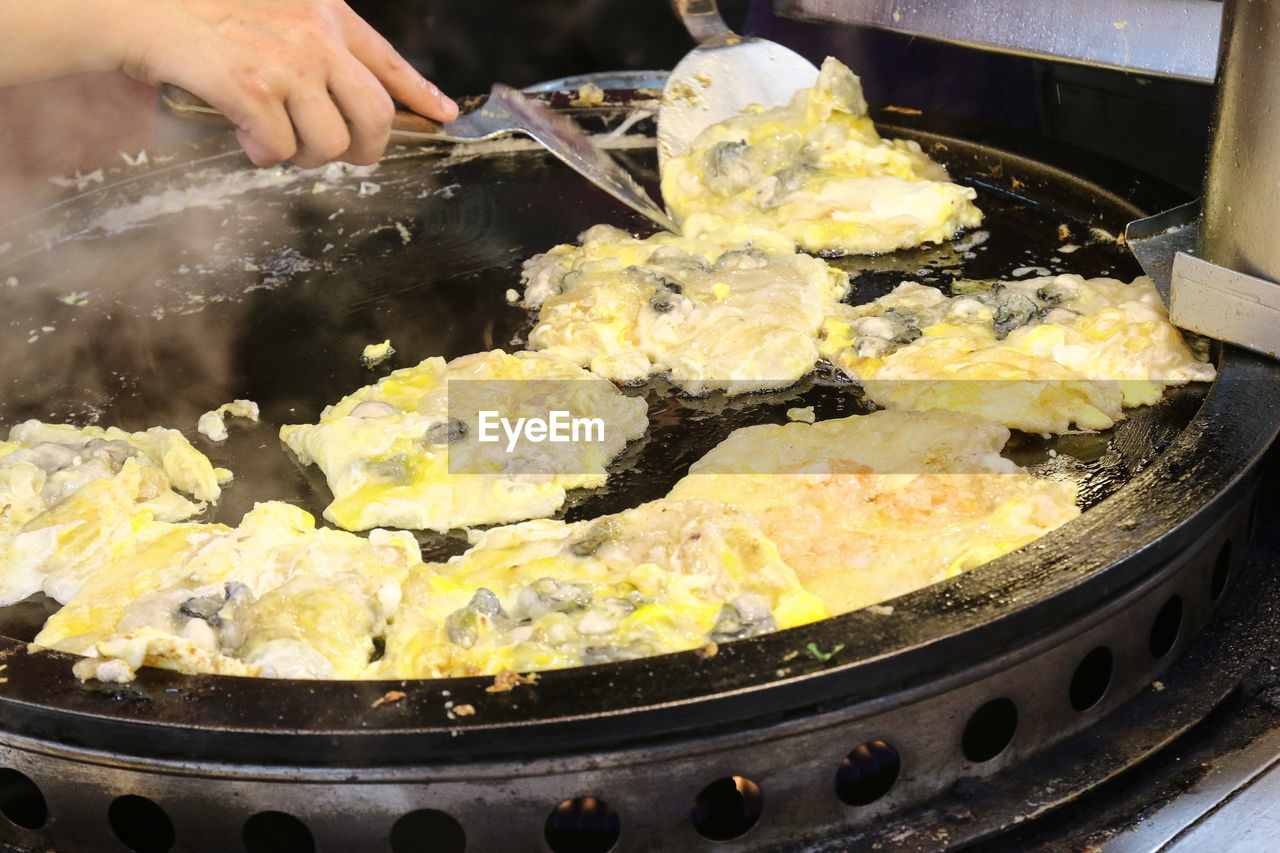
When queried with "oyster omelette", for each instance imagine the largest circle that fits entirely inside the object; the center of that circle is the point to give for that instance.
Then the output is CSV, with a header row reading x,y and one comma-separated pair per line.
x,y
817,171
729,553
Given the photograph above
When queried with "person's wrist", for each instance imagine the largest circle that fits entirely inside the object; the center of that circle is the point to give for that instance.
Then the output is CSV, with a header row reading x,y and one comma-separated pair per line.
x,y
116,38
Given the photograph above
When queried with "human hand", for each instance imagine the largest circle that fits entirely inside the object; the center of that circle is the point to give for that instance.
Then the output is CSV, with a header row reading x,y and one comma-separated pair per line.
x,y
303,80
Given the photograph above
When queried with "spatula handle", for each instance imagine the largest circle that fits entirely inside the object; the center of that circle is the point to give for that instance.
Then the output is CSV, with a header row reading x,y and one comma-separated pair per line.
x,y
185,105
703,21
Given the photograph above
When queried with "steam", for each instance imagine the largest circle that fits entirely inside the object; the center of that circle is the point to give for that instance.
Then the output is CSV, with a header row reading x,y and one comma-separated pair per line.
x,y
127,283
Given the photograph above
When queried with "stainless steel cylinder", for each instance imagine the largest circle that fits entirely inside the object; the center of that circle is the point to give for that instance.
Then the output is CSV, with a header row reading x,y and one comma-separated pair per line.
x,y
1242,184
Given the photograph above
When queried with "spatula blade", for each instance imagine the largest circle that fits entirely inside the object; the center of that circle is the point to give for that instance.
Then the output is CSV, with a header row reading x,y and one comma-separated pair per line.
x,y
1156,240
1204,297
712,84
559,135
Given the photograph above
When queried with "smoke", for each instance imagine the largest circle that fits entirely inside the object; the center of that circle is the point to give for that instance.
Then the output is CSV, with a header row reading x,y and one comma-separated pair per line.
x,y
71,124
133,247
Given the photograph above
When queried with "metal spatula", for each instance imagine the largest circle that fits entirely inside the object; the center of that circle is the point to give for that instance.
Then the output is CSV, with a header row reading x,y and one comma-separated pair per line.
x,y
505,111
724,74
1203,296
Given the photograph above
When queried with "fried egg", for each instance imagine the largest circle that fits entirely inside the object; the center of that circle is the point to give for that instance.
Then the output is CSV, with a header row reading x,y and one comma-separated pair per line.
x,y
410,452
213,424
276,597
817,171
663,577
776,527
732,310
68,496
867,508
1040,355
273,597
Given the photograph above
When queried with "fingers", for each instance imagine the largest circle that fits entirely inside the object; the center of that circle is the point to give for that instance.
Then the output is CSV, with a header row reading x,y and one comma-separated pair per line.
x,y
399,78
263,129
369,111
348,116
322,133
311,125
303,80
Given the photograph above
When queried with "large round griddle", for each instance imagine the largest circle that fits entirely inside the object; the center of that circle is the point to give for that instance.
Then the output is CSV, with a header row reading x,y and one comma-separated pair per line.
x,y
272,293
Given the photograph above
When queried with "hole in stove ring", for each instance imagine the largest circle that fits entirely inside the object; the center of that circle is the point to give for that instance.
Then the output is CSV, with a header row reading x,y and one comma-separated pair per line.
x,y
727,808
868,773
141,824
1221,572
276,832
990,729
21,801
1166,627
582,825
1091,678
427,829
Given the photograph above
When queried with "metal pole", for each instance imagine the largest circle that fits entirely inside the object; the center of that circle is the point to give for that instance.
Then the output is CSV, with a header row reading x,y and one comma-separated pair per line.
x,y
1242,183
